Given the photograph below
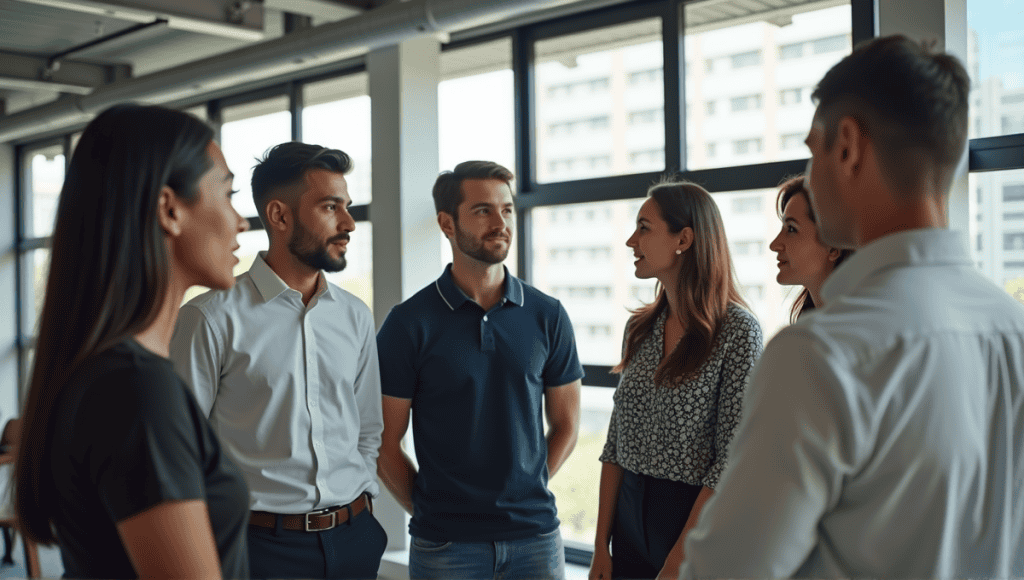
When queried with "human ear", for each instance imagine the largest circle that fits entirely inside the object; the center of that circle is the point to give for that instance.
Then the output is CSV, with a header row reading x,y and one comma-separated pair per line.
x,y
447,224
685,240
169,211
833,254
849,146
278,215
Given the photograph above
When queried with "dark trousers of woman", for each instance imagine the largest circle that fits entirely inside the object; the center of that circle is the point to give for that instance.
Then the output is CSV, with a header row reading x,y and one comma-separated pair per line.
x,y
650,513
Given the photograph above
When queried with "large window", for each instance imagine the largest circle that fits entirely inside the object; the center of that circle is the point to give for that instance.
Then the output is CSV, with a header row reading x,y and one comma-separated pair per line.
x,y
769,69
600,101
44,178
336,114
248,131
995,50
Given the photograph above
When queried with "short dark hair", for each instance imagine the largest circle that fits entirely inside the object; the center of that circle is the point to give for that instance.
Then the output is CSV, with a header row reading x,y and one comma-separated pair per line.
x,y
911,103
286,164
448,187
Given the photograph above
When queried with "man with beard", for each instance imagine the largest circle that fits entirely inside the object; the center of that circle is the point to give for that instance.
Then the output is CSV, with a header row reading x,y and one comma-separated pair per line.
x,y
480,359
285,365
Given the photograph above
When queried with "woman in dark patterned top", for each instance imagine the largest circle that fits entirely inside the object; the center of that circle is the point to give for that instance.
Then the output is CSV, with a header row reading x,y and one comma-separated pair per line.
x,y
803,259
685,362
118,463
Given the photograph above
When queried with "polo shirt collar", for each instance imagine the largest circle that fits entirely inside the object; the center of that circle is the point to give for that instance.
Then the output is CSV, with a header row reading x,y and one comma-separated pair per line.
x,y
919,247
454,297
270,285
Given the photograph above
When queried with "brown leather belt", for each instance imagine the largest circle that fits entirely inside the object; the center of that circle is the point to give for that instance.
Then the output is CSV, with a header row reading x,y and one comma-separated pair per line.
x,y
318,521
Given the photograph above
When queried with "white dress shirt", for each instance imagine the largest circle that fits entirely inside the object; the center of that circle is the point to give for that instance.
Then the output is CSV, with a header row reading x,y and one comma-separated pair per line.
x,y
292,390
882,435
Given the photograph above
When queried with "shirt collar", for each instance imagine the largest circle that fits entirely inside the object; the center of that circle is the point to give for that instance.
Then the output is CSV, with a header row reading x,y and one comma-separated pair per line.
x,y
919,247
454,297
270,285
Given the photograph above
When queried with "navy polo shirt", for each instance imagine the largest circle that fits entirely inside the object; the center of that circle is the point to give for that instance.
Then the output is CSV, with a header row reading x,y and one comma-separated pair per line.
x,y
476,380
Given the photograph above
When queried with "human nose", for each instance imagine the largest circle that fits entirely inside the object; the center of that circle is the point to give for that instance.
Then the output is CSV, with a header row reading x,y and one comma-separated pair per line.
x,y
631,240
347,223
243,224
776,245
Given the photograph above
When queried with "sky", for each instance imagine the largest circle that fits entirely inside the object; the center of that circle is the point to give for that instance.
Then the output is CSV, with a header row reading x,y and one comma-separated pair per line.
x,y
1000,28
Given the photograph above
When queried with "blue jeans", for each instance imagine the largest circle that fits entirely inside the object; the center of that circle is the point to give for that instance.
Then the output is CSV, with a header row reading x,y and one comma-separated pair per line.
x,y
535,558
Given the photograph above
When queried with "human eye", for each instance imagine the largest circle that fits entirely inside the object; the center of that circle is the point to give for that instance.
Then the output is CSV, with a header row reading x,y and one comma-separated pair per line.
x,y
791,229
332,206
232,192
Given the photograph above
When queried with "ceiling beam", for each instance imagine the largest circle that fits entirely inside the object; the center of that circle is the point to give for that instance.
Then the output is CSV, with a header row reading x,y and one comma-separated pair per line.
x,y
235,19
328,10
22,72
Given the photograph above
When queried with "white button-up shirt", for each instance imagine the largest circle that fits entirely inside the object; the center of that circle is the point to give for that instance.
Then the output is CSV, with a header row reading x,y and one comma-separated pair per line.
x,y
882,435
292,390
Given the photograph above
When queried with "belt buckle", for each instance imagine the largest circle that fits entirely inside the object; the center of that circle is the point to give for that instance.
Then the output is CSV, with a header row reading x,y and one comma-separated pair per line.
x,y
325,511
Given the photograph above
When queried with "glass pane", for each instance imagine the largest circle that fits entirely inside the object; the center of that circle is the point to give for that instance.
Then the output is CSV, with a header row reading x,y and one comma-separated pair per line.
x,y
357,277
199,111
995,50
600,103
248,131
577,484
748,86
580,257
336,114
36,264
475,108
45,177
997,236
251,242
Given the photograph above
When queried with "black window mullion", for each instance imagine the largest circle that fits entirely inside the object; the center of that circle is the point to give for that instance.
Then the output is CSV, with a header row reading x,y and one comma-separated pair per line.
x,y
19,232
996,153
295,104
523,113
672,32
864,25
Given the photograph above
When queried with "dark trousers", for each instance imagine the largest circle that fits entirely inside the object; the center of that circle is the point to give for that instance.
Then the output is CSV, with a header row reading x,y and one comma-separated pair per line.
x,y
650,514
351,550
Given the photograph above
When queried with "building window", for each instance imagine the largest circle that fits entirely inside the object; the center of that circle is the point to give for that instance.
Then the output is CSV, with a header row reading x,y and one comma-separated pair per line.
x,y
745,59
1013,193
746,205
790,97
709,65
1009,216
829,44
710,149
709,108
791,141
1013,242
745,146
748,248
788,51
745,103
653,75
647,157
646,116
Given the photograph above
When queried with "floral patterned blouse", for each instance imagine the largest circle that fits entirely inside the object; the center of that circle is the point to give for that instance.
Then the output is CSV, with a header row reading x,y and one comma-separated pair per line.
x,y
682,433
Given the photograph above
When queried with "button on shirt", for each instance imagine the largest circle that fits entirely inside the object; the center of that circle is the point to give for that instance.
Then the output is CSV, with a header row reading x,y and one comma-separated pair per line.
x,y
292,390
477,380
882,435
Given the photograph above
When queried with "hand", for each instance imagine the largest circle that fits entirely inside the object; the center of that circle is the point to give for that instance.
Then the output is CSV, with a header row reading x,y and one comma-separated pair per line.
x,y
601,565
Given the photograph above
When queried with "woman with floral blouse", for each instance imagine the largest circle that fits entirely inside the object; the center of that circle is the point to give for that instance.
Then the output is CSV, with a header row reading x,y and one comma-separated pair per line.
x,y
686,358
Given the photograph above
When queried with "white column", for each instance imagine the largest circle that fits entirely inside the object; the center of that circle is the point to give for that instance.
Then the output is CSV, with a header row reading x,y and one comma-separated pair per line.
x,y
941,24
406,242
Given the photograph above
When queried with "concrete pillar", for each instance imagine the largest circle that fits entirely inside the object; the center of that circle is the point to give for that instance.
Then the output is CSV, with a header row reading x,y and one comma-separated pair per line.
x,y
406,252
941,24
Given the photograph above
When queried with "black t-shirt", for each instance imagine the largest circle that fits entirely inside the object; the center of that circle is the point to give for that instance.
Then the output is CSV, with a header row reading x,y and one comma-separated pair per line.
x,y
128,435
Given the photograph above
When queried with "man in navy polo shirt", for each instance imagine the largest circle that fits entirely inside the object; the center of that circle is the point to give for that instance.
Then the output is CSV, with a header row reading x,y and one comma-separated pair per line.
x,y
480,359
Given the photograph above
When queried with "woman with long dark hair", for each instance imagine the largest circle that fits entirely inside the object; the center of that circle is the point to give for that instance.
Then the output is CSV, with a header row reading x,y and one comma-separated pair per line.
x,y
803,259
117,464
685,361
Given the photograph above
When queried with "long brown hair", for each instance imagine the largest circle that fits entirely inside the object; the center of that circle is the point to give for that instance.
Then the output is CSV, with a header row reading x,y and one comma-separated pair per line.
x,y
109,268
790,188
704,288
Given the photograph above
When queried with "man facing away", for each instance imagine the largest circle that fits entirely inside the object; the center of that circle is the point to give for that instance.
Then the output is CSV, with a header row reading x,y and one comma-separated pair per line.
x,y
480,359
882,436
285,364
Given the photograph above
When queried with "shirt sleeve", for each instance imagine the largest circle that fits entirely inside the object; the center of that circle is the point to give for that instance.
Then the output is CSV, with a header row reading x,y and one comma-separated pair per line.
x,y
367,392
145,442
794,446
563,364
397,356
747,343
196,353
